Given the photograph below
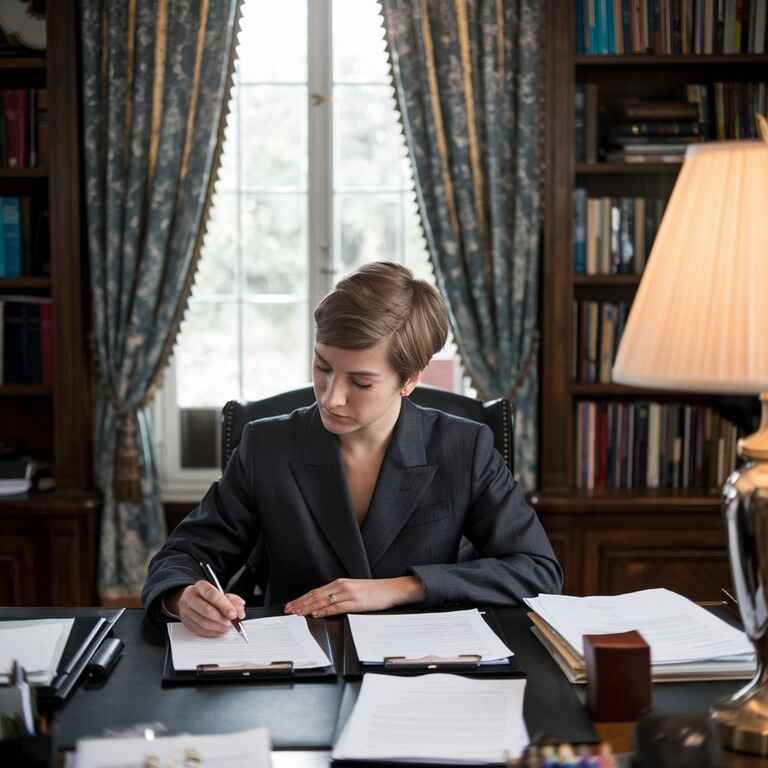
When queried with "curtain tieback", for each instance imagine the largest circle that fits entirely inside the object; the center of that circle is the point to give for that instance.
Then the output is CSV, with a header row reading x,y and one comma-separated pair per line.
x,y
127,470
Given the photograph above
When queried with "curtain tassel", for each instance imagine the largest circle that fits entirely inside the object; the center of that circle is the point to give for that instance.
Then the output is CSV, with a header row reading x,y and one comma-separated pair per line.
x,y
128,474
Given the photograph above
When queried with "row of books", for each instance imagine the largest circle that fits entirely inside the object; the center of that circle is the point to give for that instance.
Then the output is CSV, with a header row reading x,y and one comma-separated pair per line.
x,y
23,128
644,445
26,341
736,105
671,26
597,330
24,242
633,130
613,235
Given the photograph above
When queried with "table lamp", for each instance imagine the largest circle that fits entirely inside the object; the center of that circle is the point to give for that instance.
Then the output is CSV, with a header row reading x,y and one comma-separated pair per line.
x,y
696,325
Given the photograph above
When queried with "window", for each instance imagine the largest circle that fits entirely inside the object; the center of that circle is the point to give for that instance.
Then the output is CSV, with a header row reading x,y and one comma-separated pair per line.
x,y
315,181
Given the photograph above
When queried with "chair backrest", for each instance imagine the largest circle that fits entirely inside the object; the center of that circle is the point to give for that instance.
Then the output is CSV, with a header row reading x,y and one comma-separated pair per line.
x,y
497,414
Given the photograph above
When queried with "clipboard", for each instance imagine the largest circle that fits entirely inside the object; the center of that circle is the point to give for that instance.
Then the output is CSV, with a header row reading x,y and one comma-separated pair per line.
x,y
279,669
466,665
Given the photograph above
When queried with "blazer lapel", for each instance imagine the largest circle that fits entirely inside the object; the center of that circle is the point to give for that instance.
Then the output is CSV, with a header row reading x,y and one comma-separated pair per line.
x,y
320,478
403,478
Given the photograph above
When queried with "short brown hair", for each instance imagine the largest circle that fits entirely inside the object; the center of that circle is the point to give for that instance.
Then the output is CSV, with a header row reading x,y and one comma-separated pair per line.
x,y
379,301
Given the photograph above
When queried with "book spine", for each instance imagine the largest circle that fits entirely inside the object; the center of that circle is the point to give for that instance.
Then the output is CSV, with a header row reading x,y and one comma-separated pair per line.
x,y
580,28
591,123
579,231
640,248
46,345
11,222
15,120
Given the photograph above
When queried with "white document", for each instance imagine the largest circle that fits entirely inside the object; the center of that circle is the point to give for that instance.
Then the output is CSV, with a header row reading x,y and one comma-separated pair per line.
x,y
276,638
36,644
246,749
415,635
676,629
435,718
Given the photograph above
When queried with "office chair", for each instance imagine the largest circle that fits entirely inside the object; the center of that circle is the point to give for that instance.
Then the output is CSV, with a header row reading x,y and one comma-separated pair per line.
x,y
497,414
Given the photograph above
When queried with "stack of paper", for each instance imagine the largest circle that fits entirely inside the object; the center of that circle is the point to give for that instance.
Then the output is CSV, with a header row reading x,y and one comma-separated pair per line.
x,y
687,642
247,749
36,644
415,635
435,718
276,638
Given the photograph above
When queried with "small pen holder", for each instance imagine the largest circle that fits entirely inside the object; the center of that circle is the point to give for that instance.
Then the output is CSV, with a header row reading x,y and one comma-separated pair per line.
x,y
618,676
29,751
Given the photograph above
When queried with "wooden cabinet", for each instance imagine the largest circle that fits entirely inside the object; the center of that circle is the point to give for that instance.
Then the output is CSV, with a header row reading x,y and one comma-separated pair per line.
x,y
48,550
48,541
621,544
612,541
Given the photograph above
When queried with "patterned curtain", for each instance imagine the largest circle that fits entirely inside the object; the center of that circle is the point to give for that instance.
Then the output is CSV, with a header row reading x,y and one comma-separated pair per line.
x,y
156,83
465,76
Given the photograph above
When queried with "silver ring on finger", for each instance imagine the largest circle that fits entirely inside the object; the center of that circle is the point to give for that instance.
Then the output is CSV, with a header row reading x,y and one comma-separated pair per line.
x,y
331,599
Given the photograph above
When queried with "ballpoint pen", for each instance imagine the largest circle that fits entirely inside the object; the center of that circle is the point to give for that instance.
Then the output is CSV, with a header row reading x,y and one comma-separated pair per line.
x,y
211,576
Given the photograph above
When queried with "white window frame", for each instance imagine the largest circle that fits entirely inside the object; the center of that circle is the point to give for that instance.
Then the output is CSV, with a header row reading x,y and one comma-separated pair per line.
x,y
179,484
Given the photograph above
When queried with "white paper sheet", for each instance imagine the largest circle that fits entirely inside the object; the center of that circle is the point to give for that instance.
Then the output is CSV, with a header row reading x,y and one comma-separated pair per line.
x,y
435,718
276,638
36,644
676,628
245,749
414,635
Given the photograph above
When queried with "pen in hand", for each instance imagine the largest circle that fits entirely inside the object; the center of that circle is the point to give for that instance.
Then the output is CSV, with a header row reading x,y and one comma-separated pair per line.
x,y
211,576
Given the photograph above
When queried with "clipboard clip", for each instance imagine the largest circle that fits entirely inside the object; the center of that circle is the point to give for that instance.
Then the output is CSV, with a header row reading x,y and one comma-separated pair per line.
x,y
245,670
464,661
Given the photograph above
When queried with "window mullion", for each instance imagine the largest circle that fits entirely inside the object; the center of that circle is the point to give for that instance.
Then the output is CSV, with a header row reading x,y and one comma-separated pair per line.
x,y
320,168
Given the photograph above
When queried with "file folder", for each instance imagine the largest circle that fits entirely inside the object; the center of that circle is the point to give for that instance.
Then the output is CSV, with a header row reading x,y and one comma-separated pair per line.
x,y
279,669
467,665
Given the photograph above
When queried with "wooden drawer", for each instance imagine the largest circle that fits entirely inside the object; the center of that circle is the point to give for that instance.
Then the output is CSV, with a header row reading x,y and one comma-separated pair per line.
x,y
691,562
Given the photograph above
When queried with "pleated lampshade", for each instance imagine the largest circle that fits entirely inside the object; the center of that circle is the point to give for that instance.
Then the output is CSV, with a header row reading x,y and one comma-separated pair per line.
x,y
699,321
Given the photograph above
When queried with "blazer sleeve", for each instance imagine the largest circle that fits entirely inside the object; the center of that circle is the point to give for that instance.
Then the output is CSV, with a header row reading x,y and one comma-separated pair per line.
x,y
221,530
515,557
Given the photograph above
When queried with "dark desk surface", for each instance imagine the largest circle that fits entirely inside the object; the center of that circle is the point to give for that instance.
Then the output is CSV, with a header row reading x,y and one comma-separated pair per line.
x,y
303,716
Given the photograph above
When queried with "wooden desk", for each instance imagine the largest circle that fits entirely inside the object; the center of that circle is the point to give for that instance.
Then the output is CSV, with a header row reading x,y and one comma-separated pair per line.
x,y
303,718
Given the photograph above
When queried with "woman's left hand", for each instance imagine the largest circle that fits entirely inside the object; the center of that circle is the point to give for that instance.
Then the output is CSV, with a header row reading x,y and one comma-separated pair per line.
x,y
357,596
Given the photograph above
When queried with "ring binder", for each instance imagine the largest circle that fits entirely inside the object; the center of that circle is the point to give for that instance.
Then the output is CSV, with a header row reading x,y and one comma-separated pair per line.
x,y
464,661
246,670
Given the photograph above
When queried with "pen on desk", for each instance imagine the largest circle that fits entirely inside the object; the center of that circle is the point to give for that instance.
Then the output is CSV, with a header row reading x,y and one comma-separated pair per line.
x,y
211,576
728,596
731,604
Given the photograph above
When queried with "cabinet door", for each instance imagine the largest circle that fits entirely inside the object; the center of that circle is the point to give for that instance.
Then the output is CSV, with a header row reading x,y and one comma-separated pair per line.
x,y
691,562
17,574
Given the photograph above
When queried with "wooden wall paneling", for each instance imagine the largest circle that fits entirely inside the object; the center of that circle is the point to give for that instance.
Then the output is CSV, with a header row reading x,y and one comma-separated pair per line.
x,y
18,578
65,553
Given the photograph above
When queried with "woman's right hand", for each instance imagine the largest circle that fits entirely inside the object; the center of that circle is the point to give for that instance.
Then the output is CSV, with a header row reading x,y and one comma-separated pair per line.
x,y
204,610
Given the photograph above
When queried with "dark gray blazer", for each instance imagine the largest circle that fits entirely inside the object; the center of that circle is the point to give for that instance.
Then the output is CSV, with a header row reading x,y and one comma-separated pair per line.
x,y
441,478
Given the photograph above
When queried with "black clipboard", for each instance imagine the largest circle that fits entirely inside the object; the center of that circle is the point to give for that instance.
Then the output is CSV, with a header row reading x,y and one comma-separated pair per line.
x,y
277,670
468,665
85,637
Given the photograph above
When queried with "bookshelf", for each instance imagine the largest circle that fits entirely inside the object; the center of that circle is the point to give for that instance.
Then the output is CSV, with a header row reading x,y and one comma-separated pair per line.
x,y
612,540
48,540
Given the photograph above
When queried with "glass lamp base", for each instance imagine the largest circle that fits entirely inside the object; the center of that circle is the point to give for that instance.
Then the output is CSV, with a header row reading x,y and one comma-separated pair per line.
x,y
743,724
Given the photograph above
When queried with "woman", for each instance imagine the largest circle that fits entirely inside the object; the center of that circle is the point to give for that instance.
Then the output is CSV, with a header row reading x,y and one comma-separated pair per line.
x,y
360,500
